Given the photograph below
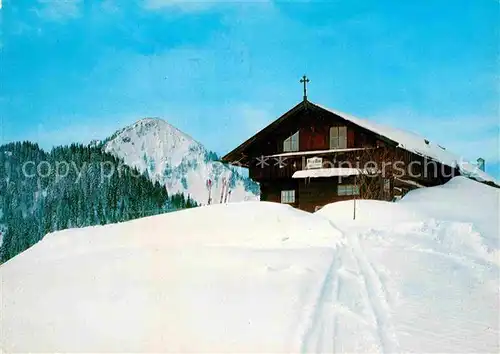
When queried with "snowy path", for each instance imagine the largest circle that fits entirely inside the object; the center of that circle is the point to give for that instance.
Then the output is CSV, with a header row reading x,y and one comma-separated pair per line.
x,y
441,302
377,295
320,336
334,313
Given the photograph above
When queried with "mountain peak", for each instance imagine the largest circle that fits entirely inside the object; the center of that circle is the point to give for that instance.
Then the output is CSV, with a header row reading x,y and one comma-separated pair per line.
x,y
159,127
151,120
176,160
151,135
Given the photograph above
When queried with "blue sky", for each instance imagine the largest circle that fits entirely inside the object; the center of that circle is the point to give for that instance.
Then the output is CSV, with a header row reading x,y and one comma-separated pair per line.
x,y
78,70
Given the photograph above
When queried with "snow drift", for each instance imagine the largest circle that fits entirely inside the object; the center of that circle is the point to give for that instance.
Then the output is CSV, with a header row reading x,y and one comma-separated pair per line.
x,y
420,275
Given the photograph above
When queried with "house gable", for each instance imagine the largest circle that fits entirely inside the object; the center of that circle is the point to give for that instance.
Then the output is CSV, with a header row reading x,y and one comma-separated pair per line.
x,y
313,123
312,156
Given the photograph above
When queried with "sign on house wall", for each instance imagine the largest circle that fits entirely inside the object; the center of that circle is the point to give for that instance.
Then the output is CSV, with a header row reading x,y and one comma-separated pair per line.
x,y
314,162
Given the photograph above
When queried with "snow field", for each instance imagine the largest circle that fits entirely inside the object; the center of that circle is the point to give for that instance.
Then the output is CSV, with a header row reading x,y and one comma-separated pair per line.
x,y
420,275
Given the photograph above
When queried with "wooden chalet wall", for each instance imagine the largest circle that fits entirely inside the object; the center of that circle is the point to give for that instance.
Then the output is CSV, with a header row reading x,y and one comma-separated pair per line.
x,y
313,124
314,133
316,192
310,193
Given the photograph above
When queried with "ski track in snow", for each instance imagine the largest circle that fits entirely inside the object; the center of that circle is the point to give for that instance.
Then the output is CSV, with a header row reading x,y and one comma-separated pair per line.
x,y
323,321
377,295
322,335
331,313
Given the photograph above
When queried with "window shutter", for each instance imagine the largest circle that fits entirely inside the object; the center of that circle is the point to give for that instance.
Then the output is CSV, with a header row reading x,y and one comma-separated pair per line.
x,y
342,137
334,137
286,144
291,143
295,142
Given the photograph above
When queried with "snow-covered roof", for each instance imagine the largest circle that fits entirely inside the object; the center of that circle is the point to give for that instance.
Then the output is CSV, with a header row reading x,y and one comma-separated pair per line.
x,y
326,172
409,141
410,182
419,145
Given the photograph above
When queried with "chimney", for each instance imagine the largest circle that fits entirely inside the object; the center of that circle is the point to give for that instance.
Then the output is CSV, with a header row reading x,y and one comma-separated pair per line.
x,y
480,163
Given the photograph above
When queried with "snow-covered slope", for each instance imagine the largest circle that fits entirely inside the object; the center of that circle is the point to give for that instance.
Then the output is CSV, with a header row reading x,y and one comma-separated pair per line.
x,y
431,266
177,161
230,277
263,277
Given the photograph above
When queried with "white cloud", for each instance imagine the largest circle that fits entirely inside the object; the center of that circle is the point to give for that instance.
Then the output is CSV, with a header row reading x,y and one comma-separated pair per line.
x,y
192,5
110,6
183,5
58,10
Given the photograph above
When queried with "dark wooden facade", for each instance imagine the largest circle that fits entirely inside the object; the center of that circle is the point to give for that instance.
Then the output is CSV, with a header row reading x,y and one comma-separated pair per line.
x,y
274,169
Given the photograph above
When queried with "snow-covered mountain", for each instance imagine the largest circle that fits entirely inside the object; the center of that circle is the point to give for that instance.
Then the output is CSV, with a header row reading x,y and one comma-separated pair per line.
x,y
179,162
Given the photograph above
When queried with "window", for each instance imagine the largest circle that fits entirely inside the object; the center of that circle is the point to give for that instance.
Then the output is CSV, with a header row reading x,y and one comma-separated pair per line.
x,y
288,196
347,189
387,185
387,189
338,137
291,143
